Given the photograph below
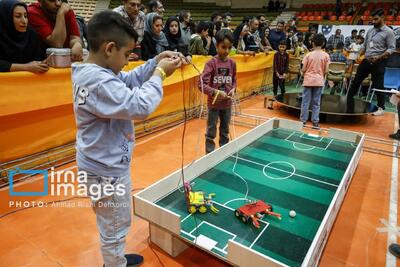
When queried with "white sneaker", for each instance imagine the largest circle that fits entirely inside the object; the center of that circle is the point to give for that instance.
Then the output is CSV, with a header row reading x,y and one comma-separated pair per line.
x,y
379,112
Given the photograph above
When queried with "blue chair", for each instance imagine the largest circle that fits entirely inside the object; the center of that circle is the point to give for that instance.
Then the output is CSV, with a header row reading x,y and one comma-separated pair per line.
x,y
391,80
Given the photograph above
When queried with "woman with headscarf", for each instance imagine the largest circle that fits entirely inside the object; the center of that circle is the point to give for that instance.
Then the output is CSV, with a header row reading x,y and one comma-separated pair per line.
x,y
154,40
19,45
176,41
212,31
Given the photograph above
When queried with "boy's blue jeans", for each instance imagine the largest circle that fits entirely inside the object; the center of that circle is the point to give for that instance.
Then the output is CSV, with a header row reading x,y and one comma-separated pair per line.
x,y
311,96
224,116
113,216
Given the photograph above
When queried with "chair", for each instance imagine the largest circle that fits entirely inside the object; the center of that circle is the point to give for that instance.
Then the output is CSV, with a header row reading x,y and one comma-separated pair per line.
x,y
333,18
342,18
390,81
390,18
336,73
311,18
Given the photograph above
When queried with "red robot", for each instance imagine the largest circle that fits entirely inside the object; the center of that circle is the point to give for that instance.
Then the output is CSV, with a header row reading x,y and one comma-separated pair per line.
x,y
255,211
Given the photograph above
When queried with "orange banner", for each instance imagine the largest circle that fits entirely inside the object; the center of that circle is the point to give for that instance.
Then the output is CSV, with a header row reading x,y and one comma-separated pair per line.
x,y
36,110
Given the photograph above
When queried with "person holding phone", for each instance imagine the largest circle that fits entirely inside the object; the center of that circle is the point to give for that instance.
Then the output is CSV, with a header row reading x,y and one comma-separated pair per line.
x,y
19,44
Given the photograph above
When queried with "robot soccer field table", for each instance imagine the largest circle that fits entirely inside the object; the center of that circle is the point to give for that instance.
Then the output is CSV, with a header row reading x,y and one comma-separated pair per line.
x,y
275,162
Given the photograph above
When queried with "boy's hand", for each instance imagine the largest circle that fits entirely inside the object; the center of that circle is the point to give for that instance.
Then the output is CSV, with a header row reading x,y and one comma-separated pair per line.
x,y
222,96
169,65
172,55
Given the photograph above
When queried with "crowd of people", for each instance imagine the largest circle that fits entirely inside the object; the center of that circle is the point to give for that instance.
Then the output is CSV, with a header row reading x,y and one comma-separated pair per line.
x,y
53,24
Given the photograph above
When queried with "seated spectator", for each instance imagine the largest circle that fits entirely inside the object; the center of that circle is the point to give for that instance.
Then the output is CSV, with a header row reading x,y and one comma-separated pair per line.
x,y
56,25
355,48
252,40
213,28
19,44
196,42
291,38
154,40
238,30
300,49
136,18
226,21
362,33
263,21
185,19
157,7
334,39
337,55
350,39
265,42
277,35
216,16
173,32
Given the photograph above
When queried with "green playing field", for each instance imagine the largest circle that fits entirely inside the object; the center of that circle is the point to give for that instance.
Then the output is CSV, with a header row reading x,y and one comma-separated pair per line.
x,y
289,170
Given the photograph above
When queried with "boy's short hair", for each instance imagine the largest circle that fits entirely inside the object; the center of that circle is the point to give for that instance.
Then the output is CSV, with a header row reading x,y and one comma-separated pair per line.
x,y
201,26
360,37
340,45
354,31
109,26
224,34
398,43
319,39
283,42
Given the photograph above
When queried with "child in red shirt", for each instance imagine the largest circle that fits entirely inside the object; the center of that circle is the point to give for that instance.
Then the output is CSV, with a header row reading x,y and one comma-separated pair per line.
x,y
219,82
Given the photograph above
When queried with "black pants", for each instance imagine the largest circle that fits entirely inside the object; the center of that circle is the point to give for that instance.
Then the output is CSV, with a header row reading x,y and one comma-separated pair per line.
x,y
377,71
224,116
278,82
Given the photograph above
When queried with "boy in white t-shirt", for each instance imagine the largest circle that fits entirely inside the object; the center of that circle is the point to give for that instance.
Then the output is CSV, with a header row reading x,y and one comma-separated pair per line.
x,y
355,48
